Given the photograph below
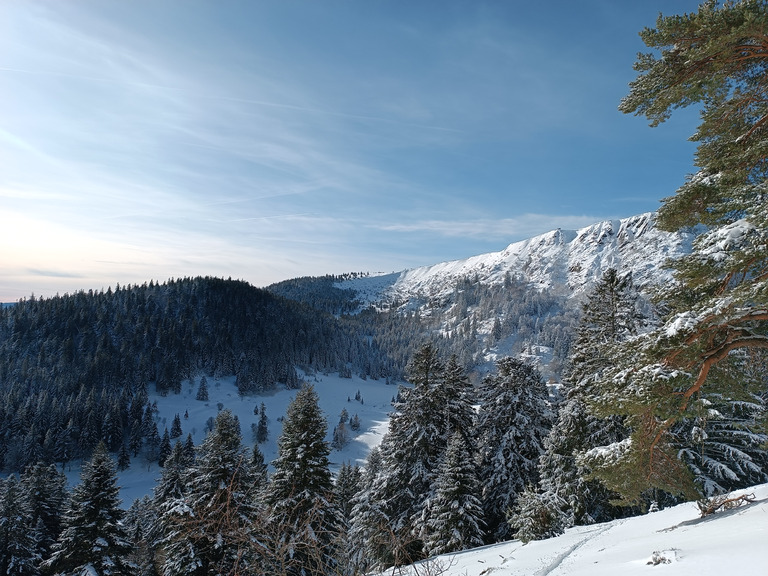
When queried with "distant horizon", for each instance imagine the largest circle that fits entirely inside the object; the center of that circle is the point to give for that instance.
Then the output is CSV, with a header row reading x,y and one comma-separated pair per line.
x,y
367,273
268,141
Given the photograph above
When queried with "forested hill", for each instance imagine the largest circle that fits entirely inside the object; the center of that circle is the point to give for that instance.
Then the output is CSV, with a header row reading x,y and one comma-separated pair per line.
x,y
523,299
321,292
74,369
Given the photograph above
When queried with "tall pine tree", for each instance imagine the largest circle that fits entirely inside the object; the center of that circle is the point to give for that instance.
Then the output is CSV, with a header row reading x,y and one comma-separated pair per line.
x,y
45,489
610,315
454,516
304,525
19,550
714,58
94,539
411,452
513,419
211,528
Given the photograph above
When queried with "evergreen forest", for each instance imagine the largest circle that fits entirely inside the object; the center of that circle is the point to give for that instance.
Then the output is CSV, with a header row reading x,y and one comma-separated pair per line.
x,y
525,412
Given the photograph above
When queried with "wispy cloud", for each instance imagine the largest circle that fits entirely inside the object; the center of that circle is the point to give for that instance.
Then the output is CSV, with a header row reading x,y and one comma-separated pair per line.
x,y
517,228
136,143
53,273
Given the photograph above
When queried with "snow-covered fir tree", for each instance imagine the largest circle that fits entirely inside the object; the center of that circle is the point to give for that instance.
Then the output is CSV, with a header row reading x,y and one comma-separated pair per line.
x,y
346,486
165,448
304,525
168,497
539,515
140,519
176,430
94,540
411,452
211,528
454,515
371,538
390,521
262,430
610,314
19,550
123,458
513,419
45,489
202,390
724,443
259,470
458,399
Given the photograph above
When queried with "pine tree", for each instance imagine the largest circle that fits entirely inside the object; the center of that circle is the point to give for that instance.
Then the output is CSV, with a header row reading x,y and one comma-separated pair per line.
x,y
190,451
718,305
262,431
340,436
259,469
411,452
513,420
165,448
454,516
723,444
176,431
139,521
202,390
458,402
610,315
154,444
136,439
169,499
19,551
171,487
123,458
371,538
94,538
210,527
304,522
539,515
346,486
45,489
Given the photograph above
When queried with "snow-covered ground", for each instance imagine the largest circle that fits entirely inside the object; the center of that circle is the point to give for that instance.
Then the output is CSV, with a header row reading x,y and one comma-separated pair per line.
x,y
333,392
675,541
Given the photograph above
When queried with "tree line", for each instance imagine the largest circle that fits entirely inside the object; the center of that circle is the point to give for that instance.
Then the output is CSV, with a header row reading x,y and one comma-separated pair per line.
x,y
460,466
75,369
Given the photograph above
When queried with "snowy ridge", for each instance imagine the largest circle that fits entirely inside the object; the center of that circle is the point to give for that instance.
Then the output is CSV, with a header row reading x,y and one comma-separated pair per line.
x,y
571,260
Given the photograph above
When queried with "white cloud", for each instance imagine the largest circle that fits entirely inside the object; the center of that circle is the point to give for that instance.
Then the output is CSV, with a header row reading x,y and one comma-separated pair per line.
x,y
511,229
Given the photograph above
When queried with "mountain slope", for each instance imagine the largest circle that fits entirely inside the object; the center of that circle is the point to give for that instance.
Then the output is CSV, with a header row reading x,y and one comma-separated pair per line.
x,y
675,541
567,261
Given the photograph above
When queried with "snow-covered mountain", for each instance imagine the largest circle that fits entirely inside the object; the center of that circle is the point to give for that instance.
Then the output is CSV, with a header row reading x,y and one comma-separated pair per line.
x,y
567,260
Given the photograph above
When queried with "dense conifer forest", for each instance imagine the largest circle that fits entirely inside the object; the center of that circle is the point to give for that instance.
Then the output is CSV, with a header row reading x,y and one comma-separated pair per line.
x,y
526,412
74,369
472,455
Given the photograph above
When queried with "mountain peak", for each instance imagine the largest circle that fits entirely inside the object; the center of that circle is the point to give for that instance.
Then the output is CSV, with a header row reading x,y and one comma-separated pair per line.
x,y
567,260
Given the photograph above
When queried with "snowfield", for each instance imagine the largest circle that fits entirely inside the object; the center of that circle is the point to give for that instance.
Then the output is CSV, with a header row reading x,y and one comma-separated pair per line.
x,y
675,541
333,391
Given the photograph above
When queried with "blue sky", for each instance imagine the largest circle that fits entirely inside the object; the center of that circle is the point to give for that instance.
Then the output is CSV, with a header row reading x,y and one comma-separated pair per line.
x,y
267,140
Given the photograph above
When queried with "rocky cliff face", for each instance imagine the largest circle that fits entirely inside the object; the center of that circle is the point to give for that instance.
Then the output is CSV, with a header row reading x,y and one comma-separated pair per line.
x,y
563,260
